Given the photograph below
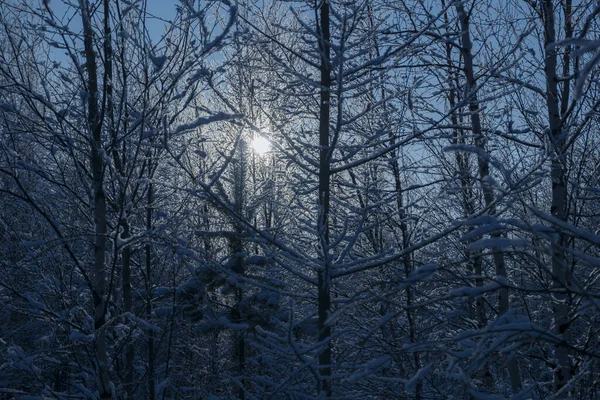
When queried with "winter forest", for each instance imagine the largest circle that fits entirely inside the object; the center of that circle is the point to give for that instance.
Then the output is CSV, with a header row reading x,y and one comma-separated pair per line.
x,y
319,199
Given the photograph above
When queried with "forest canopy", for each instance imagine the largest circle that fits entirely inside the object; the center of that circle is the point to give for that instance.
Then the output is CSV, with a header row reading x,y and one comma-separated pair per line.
x,y
261,199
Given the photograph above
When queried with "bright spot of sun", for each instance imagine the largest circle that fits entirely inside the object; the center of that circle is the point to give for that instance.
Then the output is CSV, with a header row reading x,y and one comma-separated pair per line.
x,y
261,145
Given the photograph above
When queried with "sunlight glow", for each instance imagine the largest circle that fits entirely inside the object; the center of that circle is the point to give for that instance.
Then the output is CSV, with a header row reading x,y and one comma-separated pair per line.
x,y
261,145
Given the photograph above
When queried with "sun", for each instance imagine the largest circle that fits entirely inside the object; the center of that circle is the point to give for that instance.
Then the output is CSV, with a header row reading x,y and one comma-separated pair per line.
x,y
261,145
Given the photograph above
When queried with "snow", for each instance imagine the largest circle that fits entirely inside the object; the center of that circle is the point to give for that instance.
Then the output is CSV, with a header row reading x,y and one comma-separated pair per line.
x,y
474,291
477,395
420,274
36,243
411,384
223,320
411,294
370,368
206,120
158,62
498,243
39,306
147,134
77,336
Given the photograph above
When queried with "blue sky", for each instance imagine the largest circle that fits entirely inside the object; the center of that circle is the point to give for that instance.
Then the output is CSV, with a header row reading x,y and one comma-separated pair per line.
x,y
162,9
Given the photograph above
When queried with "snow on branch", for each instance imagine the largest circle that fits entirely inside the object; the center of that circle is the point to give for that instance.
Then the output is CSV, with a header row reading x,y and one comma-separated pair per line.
x,y
582,47
205,121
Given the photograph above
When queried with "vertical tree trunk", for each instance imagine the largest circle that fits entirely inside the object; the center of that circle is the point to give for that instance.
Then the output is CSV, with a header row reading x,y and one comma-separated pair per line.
x,y
128,308
484,171
119,164
99,198
474,257
150,332
558,205
236,245
406,259
408,268
323,290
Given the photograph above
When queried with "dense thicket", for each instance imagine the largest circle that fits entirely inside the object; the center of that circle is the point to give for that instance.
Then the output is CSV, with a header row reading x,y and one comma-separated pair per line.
x,y
424,225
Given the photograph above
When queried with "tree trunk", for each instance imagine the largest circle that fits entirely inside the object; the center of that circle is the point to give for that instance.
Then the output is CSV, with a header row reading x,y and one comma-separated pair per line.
x,y
323,290
474,257
558,205
484,171
236,246
408,268
150,332
119,164
99,199
127,308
